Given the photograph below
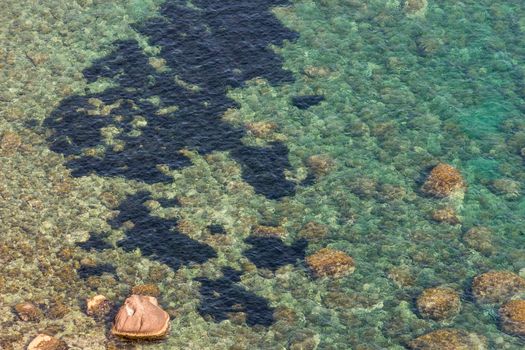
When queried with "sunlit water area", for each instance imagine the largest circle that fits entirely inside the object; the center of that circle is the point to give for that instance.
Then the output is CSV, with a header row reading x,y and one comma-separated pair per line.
x,y
263,174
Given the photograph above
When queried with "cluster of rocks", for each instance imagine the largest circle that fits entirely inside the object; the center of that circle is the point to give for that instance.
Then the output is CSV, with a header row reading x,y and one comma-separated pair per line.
x,y
502,288
139,318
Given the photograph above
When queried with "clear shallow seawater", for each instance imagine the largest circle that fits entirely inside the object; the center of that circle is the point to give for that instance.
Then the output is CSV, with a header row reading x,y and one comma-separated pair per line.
x,y
145,142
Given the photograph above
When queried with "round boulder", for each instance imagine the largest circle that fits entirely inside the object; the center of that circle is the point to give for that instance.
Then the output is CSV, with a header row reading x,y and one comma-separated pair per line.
x,y
330,262
438,303
443,181
512,316
449,339
497,286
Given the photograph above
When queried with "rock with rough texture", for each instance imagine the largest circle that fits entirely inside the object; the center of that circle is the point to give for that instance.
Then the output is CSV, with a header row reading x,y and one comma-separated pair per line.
x,y
449,339
512,317
314,231
28,311
497,286
98,306
320,164
46,342
330,262
438,303
141,318
443,181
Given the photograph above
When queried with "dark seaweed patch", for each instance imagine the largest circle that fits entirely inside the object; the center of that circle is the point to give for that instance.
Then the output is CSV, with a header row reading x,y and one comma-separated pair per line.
x,y
211,48
95,242
86,271
223,295
307,101
157,238
216,229
271,252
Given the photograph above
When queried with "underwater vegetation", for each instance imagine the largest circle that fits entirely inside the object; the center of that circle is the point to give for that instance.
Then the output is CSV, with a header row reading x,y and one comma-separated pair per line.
x,y
154,110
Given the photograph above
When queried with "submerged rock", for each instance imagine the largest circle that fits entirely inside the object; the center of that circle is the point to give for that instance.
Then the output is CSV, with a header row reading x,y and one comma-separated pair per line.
x,y
320,164
46,342
269,231
314,231
27,311
447,215
141,318
443,181
497,286
480,239
512,316
330,262
438,303
449,339
98,306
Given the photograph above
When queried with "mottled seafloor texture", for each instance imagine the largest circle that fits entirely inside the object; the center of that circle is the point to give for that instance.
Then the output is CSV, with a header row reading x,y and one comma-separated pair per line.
x,y
189,144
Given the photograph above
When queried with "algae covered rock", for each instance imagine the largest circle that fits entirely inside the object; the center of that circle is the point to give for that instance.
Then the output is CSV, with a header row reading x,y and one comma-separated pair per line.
x,y
27,311
141,318
46,342
98,306
449,339
443,181
313,231
438,303
330,262
447,215
320,164
497,286
479,238
512,316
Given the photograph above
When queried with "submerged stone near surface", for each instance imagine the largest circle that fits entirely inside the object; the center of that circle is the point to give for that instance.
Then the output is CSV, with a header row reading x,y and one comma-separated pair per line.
x,y
443,181
330,262
449,339
27,311
141,318
438,303
46,342
512,317
497,286
479,238
98,306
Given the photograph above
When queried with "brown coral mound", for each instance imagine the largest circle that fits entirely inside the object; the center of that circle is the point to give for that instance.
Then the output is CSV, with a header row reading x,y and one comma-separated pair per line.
x,y
269,231
449,339
141,318
438,303
443,181
479,238
512,315
497,286
320,164
330,262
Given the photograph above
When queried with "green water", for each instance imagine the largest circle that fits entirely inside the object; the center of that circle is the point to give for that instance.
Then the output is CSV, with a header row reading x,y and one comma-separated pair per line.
x,y
403,91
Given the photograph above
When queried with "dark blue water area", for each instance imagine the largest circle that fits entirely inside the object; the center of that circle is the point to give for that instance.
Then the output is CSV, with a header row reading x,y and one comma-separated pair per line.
x,y
214,46
224,295
272,253
307,101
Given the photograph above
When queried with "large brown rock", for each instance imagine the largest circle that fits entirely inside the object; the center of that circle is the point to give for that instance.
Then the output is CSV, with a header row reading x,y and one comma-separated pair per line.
x,y
141,318
449,339
512,316
497,286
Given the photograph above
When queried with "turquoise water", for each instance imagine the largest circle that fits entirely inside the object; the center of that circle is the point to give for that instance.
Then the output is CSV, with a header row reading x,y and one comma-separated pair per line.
x,y
209,148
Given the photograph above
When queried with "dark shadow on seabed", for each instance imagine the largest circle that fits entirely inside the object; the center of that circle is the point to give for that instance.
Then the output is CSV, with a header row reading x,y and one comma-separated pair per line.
x,y
207,49
213,48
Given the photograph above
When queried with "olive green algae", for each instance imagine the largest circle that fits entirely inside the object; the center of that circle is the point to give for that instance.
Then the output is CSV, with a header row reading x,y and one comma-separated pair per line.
x,y
402,93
